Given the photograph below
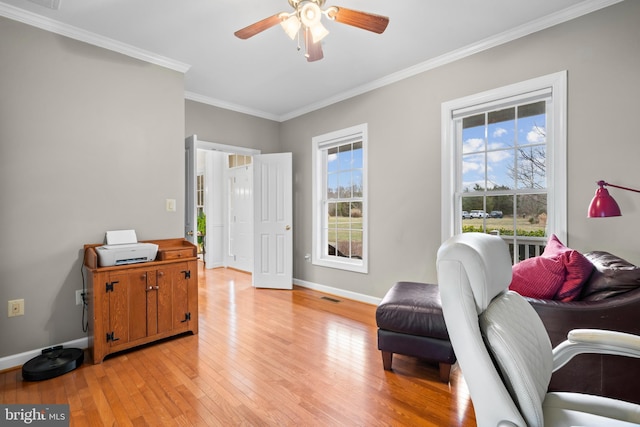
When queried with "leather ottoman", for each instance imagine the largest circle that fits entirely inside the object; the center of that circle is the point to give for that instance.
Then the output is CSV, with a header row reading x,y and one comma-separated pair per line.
x,y
410,322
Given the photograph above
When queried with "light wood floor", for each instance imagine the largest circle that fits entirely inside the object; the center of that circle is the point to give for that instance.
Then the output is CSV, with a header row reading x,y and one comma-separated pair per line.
x,y
262,358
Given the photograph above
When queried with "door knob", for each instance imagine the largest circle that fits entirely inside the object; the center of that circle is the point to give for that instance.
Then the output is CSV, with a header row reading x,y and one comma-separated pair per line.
x,y
189,233
288,227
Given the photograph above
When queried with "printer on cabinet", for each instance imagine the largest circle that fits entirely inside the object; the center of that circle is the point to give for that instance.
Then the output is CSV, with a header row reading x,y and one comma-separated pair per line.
x,y
122,247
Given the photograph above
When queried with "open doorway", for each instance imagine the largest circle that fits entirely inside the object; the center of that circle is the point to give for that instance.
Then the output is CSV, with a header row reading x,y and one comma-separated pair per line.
x,y
265,192
220,215
226,217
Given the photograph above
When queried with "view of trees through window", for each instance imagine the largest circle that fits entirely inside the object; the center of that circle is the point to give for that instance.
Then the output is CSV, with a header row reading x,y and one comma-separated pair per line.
x,y
344,192
504,178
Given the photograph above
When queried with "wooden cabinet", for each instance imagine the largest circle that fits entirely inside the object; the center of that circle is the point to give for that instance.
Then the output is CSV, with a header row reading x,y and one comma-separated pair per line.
x,y
136,304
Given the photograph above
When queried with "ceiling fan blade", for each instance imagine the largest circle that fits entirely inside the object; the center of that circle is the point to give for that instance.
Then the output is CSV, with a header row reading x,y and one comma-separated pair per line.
x,y
355,18
314,50
259,26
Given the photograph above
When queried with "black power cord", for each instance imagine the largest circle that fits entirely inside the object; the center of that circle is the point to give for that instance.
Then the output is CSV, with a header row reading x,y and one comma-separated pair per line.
x,y
85,305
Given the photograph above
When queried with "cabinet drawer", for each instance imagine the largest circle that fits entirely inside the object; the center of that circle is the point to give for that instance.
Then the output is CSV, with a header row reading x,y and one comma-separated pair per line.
x,y
177,253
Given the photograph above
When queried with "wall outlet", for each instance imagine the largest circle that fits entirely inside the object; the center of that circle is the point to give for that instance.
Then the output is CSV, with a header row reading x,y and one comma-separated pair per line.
x,y
16,308
79,297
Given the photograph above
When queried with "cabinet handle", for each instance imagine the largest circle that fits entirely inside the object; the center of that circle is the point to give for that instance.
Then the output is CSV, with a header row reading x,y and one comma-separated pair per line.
x,y
160,273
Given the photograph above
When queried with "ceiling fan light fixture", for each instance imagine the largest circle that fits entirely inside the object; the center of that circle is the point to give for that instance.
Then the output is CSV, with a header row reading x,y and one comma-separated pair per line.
x,y
306,21
291,26
310,14
318,32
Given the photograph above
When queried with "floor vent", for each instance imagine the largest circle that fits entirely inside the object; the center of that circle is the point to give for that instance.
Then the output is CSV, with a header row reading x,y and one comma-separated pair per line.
x,y
330,299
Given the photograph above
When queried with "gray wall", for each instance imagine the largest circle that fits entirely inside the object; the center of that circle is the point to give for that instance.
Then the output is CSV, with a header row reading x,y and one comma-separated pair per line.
x,y
213,124
600,52
90,140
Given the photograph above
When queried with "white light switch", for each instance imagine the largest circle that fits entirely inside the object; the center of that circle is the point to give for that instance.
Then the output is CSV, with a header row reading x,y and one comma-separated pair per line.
x,y
171,205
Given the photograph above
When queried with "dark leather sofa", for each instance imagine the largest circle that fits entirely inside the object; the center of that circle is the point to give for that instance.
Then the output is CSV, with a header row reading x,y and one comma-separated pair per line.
x,y
610,299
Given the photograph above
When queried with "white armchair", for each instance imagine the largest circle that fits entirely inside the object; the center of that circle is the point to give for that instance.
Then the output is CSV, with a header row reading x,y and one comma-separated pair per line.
x,y
504,351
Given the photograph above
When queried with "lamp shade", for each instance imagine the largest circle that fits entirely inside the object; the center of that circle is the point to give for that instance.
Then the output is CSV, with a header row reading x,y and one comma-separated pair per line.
x,y
291,25
318,32
603,205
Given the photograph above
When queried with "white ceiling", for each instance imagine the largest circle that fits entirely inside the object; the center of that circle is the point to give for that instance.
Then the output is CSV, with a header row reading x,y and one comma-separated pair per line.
x,y
265,75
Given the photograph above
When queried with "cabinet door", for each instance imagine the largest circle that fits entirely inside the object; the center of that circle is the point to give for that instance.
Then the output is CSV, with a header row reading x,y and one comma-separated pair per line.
x,y
151,306
181,312
164,295
117,291
173,302
140,282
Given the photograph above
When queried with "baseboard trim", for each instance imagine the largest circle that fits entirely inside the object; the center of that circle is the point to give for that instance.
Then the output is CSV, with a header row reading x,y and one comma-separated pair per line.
x,y
368,299
17,360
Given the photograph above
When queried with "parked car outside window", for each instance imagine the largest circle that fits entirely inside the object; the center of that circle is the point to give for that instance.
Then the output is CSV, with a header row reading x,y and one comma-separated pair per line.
x,y
478,214
496,214
465,215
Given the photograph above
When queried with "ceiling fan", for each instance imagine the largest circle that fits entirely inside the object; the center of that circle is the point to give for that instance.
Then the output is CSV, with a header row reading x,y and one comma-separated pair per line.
x,y
306,19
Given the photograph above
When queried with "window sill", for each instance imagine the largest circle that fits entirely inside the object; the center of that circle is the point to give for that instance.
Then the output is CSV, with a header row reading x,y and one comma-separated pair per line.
x,y
358,266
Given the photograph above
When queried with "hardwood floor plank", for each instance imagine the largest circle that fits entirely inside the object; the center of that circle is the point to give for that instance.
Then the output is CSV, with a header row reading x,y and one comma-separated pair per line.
x,y
261,358
121,392
9,386
96,403
158,409
121,415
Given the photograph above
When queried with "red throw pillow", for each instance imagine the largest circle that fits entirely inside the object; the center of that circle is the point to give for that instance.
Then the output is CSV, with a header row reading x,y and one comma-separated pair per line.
x,y
538,277
558,273
577,268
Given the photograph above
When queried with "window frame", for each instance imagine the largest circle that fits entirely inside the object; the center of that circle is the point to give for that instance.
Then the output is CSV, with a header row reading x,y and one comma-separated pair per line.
x,y
451,206
321,144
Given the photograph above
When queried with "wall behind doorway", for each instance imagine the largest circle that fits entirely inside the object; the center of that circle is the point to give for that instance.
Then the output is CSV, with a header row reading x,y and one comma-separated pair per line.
x,y
228,127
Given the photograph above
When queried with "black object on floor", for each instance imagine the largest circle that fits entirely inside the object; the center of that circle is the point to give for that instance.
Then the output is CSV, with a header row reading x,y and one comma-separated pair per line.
x,y
53,362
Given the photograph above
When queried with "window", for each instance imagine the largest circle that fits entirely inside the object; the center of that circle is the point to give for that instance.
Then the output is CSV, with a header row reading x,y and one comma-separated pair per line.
x,y
201,216
239,160
504,164
200,193
340,199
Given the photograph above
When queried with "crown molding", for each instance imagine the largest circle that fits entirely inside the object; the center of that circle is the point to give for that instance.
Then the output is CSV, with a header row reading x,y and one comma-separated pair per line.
x,y
540,24
192,96
79,34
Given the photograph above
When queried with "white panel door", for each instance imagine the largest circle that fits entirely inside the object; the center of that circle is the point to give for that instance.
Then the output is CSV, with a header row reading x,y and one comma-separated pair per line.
x,y
240,187
273,235
190,220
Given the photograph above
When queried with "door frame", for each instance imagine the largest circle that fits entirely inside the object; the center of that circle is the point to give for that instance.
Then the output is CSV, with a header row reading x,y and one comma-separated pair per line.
x,y
194,144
